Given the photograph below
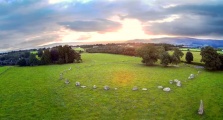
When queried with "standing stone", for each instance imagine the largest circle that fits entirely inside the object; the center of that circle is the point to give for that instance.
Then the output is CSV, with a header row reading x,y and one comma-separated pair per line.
x,y
67,81
179,84
94,87
160,87
144,89
171,82
70,68
167,89
78,83
61,76
201,108
83,86
192,76
106,87
175,80
135,88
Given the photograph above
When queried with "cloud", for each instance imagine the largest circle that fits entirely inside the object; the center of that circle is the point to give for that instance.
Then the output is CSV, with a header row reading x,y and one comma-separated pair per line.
x,y
98,25
22,20
84,37
195,20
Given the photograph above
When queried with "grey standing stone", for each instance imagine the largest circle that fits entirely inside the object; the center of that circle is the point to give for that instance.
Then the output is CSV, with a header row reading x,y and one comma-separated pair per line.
x,y
191,76
179,84
67,81
135,88
70,68
166,89
78,83
61,76
106,87
94,86
201,108
144,89
175,80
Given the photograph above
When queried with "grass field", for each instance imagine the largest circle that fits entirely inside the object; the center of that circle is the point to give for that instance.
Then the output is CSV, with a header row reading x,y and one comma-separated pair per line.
x,y
37,92
196,55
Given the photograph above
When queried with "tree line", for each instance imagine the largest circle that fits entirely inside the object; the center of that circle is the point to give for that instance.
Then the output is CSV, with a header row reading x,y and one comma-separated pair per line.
x,y
55,55
123,48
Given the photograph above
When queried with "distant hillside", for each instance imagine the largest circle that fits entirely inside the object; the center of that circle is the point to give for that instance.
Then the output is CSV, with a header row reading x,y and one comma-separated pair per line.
x,y
191,42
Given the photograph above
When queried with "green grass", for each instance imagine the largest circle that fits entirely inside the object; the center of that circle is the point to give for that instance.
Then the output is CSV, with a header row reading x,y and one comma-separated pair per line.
x,y
221,52
34,52
37,92
196,55
78,49
191,49
3,69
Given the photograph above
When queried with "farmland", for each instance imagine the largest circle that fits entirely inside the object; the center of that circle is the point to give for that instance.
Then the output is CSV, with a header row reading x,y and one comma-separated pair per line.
x,y
37,92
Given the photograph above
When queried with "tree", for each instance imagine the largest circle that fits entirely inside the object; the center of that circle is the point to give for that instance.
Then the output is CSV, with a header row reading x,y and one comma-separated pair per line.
x,y
149,54
177,54
33,60
165,58
26,54
54,54
46,58
40,53
21,62
221,59
211,58
189,57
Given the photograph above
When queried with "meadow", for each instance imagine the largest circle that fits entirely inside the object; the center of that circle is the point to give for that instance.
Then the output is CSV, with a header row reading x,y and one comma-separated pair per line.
x,y
37,92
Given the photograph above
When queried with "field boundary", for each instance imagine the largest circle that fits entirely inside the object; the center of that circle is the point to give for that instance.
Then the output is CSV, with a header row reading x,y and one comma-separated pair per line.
x,y
5,70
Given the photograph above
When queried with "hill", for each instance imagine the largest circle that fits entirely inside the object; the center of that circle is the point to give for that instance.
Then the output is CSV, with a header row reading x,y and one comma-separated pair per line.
x,y
187,42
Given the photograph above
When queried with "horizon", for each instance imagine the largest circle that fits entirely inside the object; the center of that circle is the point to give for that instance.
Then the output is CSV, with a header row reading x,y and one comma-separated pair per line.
x,y
33,24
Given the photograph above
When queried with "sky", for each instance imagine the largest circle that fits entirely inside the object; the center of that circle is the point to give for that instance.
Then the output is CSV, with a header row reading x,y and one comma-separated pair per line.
x,y
26,24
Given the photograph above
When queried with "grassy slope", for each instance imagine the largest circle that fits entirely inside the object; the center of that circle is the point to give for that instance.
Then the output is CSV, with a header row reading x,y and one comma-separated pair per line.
x,y
36,92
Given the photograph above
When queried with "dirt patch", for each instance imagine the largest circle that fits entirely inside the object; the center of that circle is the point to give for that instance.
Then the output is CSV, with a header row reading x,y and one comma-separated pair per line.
x,y
123,78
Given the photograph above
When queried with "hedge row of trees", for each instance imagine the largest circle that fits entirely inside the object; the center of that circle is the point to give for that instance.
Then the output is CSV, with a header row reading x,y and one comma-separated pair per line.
x,y
124,50
56,55
11,58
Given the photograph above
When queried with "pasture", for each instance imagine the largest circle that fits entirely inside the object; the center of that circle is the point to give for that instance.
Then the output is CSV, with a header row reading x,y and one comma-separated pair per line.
x,y
37,92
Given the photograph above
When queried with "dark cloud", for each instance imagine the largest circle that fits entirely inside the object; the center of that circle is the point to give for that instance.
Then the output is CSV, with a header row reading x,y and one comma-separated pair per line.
x,y
98,25
195,20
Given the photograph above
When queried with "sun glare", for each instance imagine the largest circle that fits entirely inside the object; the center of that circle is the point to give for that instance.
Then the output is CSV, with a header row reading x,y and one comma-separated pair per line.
x,y
131,29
